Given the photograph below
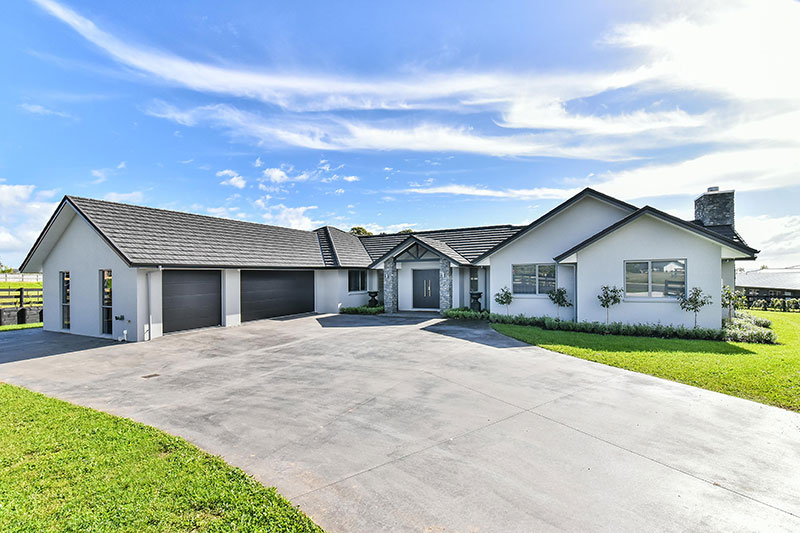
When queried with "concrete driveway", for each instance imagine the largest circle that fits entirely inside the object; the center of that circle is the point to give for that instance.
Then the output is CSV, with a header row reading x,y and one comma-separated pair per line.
x,y
416,424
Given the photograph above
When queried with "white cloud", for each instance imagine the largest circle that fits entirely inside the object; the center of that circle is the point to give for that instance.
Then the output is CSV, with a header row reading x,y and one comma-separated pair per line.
x,y
121,165
391,228
338,191
292,217
258,163
351,179
23,215
234,179
133,197
778,238
101,174
224,212
38,109
518,194
279,175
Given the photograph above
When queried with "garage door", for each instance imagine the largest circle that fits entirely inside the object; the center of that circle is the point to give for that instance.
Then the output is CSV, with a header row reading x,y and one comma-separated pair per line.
x,y
268,293
191,299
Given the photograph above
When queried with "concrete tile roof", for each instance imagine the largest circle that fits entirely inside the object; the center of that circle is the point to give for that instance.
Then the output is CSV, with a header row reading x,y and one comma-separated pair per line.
x,y
770,278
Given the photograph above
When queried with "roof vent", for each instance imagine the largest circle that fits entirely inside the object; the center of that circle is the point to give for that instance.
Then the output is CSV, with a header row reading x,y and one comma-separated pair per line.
x,y
713,189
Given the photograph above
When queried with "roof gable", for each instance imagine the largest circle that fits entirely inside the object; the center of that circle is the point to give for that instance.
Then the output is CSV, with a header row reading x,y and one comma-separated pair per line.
x,y
665,217
437,247
585,193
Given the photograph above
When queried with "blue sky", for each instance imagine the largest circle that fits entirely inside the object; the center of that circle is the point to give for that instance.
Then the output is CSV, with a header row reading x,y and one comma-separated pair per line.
x,y
396,115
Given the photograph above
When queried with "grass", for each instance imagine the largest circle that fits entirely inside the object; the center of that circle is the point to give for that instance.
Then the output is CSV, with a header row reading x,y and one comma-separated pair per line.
x,y
13,327
764,373
68,468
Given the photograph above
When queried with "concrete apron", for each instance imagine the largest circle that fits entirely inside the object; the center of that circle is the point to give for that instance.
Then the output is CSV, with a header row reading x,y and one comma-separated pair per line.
x,y
417,424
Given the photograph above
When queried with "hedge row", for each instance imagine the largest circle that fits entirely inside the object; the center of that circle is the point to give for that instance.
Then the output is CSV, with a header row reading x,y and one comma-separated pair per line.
x,y
749,332
361,310
777,304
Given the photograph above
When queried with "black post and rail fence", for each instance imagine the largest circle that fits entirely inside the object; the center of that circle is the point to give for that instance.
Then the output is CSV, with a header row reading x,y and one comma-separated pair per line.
x,y
20,306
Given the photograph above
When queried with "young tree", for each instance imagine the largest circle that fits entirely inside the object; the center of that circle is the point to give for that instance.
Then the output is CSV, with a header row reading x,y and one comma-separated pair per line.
x,y
695,301
609,296
728,300
358,230
504,297
559,297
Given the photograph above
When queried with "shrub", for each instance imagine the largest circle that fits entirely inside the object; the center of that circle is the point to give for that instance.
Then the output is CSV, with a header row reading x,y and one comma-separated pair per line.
x,y
464,313
755,320
743,328
361,310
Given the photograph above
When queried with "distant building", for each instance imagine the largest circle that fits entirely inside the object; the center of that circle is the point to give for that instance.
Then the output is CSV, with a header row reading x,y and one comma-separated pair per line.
x,y
769,283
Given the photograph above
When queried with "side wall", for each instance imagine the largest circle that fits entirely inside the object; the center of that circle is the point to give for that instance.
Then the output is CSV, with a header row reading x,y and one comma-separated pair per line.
x,y
330,290
649,239
542,244
83,253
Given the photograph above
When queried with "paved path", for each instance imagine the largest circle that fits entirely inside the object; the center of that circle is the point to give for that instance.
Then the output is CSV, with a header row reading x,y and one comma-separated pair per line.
x,y
378,424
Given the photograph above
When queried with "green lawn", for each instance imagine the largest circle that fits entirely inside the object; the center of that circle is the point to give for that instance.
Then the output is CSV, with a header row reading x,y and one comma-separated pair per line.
x,y
68,468
12,327
761,372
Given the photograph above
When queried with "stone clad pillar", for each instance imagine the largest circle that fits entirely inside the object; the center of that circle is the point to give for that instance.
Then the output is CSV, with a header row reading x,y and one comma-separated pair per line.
x,y
445,284
390,286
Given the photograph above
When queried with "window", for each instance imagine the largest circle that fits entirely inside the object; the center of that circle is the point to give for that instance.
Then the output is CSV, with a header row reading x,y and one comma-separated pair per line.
x,y
106,315
356,280
65,300
655,279
533,279
473,280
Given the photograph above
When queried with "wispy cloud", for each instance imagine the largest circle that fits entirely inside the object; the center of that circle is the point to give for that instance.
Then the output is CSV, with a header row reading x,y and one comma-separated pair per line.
x,y
292,217
102,174
134,197
23,213
38,109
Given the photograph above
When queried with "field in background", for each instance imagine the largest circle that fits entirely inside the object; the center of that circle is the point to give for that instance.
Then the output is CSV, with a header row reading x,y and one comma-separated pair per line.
x,y
9,297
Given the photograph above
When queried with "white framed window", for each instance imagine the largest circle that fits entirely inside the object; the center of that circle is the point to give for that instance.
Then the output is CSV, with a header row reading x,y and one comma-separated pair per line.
x,y
65,297
356,280
106,314
662,278
534,278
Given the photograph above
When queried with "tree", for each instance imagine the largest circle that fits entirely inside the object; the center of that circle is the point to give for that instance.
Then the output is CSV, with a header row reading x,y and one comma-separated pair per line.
x,y
609,296
407,230
559,297
504,297
5,269
695,301
359,230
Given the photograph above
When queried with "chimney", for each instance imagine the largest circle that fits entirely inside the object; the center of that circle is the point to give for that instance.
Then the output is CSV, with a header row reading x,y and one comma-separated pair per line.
x,y
714,207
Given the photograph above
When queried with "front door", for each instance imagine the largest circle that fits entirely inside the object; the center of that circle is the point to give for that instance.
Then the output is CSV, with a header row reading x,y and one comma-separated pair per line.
x,y
426,289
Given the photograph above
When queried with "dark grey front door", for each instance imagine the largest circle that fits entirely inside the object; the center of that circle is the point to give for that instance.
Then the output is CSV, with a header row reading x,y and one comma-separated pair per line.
x,y
426,289
191,299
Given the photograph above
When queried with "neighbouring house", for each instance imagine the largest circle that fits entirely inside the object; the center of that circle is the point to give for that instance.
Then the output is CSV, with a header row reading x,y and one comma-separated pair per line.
x,y
769,283
133,272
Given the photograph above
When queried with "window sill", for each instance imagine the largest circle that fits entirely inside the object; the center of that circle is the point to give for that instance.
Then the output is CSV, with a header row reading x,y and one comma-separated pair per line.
x,y
357,292
651,300
530,296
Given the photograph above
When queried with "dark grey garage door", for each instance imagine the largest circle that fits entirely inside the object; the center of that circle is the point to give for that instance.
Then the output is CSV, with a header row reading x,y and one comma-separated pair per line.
x,y
269,293
191,299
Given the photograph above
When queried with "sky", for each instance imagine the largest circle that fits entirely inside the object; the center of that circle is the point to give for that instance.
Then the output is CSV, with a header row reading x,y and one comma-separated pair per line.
x,y
396,115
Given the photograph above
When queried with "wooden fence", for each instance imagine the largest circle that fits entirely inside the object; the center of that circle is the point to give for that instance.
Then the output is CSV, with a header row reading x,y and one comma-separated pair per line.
x,y
20,277
20,297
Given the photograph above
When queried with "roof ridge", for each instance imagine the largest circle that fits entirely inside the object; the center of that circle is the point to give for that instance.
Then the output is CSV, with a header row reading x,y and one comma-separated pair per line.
x,y
148,208
492,226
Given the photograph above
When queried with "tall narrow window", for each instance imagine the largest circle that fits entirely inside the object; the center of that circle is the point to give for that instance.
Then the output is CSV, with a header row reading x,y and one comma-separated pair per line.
x,y
106,315
65,300
473,279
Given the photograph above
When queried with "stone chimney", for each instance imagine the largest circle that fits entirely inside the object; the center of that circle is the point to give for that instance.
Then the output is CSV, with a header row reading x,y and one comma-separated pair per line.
x,y
714,207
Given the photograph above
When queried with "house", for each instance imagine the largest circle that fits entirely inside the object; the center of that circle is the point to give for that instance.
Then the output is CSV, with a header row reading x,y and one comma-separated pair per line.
x,y
132,272
769,283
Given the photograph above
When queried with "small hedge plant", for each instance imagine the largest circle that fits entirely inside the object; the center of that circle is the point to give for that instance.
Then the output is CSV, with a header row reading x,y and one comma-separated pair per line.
x,y
361,310
750,332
